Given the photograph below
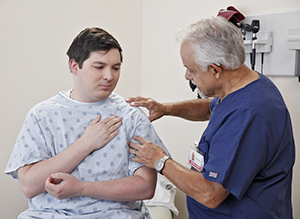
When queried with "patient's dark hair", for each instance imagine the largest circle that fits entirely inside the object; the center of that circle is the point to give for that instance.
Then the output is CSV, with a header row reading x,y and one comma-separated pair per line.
x,y
90,40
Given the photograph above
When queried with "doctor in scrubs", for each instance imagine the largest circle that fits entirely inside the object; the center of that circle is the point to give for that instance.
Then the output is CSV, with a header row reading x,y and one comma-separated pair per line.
x,y
247,152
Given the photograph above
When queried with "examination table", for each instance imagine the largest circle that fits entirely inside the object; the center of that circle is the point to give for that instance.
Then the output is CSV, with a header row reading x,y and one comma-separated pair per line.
x,y
162,205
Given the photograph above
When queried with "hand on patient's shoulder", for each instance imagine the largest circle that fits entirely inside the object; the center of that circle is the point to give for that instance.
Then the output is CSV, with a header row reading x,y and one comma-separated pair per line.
x,y
156,109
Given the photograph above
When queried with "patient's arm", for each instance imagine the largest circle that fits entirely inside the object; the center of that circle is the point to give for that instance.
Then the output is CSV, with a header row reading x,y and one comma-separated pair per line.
x,y
137,187
32,177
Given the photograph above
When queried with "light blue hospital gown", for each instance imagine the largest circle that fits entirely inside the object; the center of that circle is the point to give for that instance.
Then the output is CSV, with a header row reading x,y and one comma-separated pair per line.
x,y
53,125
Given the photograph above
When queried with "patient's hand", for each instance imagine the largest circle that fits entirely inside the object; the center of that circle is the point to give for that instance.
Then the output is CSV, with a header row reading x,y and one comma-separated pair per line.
x,y
99,133
63,185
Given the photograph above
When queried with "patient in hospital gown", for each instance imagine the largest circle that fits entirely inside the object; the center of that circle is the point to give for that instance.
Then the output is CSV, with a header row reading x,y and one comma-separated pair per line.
x,y
59,122
53,125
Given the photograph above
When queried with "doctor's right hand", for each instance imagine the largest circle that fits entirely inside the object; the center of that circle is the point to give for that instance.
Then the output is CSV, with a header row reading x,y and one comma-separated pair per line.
x,y
156,109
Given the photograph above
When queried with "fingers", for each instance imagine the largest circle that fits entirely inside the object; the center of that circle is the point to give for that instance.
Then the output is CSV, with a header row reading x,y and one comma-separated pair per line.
x,y
133,151
56,178
112,123
140,139
137,160
138,101
136,156
54,184
58,175
156,109
133,99
111,120
99,133
152,117
135,145
113,133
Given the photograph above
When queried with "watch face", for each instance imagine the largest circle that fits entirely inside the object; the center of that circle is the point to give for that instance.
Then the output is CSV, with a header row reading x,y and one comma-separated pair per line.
x,y
159,165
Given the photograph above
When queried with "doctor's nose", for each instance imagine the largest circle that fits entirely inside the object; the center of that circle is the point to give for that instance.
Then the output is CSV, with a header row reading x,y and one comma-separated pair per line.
x,y
188,75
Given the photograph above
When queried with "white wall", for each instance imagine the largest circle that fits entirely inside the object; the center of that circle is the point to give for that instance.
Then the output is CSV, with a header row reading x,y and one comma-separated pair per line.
x,y
35,36
163,73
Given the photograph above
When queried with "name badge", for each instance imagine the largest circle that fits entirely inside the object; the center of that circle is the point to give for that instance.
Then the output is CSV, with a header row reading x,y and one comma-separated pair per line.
x,y
196,158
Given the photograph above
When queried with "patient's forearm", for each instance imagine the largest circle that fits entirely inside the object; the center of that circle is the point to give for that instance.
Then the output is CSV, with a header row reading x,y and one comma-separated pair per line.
x,y
32,177
138,187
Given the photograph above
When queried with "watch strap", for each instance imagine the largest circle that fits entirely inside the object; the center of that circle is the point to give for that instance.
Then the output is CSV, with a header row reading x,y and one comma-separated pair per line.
x,y
163,160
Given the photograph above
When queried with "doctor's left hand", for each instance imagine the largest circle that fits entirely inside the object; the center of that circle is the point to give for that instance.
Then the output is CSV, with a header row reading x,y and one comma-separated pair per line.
x,y
147,152
63,185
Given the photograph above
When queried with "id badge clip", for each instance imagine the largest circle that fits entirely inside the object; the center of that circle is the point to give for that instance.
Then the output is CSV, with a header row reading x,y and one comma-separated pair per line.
x,y
196,158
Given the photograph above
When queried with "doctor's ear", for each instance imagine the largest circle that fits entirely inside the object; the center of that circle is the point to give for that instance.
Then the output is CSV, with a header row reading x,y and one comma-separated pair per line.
x,y
217,70
74,66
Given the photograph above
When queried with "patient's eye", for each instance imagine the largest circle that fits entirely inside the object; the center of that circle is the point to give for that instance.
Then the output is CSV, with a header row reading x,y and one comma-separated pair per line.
x,y
99,67
116,67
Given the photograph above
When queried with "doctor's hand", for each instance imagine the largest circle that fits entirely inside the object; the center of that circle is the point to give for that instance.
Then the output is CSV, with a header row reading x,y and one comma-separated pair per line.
x,y
156,109
63,185
147,152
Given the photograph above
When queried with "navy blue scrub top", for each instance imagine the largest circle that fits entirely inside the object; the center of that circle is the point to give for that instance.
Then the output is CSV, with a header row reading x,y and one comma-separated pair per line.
x,y
248,147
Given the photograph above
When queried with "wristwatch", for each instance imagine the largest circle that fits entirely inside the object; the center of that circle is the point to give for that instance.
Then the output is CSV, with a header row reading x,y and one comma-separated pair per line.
x,y
159,165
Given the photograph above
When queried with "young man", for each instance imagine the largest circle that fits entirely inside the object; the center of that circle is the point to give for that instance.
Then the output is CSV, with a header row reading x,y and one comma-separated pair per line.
x,y
72,157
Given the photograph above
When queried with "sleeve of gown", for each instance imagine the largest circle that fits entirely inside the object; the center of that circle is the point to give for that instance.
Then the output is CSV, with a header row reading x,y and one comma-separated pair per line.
x,y
30,146
142,126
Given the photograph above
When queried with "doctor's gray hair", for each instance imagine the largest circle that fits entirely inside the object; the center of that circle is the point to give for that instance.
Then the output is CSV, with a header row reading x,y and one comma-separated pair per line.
x,y
215,40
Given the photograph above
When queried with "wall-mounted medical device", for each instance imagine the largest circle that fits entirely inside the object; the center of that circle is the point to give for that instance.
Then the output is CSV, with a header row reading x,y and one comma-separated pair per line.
x,y
294,44
274,39
277,43
260,42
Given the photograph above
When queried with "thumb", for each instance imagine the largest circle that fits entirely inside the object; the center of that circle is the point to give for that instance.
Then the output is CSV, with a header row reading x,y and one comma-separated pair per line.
x,y
151,117
96,120
57,178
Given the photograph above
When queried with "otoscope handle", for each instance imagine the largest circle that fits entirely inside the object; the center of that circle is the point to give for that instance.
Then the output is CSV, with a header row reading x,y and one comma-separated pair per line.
x,y
253,58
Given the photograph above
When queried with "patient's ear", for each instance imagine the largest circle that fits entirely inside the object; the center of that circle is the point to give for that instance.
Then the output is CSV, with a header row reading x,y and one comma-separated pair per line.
x,y
74,66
